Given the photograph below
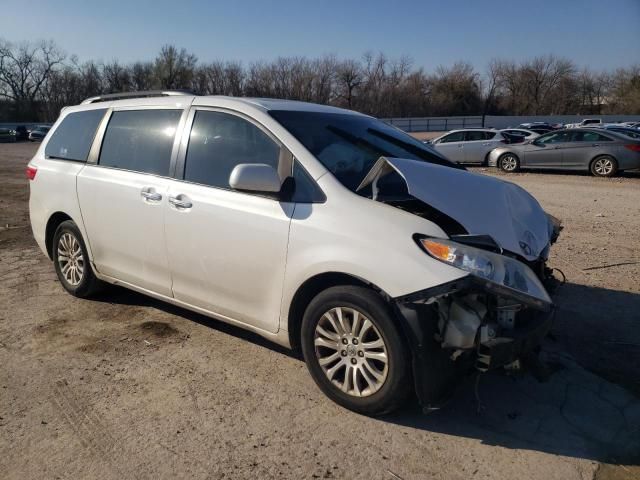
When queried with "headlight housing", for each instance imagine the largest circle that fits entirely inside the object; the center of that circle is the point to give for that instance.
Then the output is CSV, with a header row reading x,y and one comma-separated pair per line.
x,y
503,275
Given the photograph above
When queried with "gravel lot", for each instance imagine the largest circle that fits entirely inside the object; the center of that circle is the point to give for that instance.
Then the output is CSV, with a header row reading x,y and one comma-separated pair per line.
x,y
123,386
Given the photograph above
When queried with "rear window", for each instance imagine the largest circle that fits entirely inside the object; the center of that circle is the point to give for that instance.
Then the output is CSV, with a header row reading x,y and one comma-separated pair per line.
x,y
140,140
589,137
73,138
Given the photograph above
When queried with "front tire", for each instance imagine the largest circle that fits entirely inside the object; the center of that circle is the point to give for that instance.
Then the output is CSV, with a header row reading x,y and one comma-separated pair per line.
x,y
354,350
509,162
604,166
71,261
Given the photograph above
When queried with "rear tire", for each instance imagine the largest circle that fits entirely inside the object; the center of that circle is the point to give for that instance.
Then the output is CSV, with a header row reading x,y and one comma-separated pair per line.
x,y
604,166
354,350
509,162
71,261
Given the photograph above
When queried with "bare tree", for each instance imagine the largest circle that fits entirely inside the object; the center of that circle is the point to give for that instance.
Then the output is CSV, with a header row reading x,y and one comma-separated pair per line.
x,y
35,82
349,77
174,68
24,69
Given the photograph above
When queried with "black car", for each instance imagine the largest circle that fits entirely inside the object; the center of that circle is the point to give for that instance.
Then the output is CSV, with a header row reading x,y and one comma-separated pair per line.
x,y
22,132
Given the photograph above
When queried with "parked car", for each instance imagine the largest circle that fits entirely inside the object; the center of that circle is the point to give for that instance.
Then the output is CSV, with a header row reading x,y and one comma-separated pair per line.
x,y
526,133
38,133
530,125
7,134
600,151
627,131
470,145
22,132
541,130
587,122
402,269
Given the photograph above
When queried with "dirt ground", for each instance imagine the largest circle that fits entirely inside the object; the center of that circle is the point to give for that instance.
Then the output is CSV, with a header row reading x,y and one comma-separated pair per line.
x,y
123,386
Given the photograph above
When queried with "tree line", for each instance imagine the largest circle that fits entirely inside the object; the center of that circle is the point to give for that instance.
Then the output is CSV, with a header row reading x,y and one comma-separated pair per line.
x,y
37,79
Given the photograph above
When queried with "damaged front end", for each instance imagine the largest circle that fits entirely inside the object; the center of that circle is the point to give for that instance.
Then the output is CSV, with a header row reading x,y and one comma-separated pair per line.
x,y
492,318
500,312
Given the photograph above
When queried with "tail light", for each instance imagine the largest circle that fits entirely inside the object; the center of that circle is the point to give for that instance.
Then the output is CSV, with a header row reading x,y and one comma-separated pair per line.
x,y
31,172
634,147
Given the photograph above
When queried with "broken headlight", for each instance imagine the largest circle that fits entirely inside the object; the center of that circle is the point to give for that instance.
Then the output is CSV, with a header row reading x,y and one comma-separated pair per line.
x,y
505,276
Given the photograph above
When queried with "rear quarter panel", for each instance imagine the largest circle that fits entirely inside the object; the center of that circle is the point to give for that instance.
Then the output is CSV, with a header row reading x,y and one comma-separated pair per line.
x,y
53,190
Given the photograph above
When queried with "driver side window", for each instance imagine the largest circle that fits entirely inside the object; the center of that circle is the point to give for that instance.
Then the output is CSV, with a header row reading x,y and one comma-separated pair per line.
x,y
555,137
219,142
453,137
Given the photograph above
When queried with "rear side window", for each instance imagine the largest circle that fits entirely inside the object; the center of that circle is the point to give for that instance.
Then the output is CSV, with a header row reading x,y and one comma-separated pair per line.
x,y
473,136
73,138
140,140
220,141
589,137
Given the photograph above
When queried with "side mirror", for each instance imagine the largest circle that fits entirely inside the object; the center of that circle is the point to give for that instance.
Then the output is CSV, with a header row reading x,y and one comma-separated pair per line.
x,y
255,177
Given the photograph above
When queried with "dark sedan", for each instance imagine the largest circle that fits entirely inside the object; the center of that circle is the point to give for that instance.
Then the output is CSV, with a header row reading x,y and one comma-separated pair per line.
x,y
629,132
600,151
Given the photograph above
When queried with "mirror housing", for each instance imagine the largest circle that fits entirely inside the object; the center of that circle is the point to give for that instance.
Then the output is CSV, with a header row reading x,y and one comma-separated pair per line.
x,y
255,177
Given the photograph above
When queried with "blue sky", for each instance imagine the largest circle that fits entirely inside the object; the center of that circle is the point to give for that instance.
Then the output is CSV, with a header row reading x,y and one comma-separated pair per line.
x,y
596,33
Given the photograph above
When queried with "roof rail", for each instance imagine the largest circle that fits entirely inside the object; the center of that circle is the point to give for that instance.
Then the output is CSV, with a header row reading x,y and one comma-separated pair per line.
x,y
143,94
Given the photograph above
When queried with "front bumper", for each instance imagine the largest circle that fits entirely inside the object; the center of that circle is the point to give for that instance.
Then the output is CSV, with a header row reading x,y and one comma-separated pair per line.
x,y
438,365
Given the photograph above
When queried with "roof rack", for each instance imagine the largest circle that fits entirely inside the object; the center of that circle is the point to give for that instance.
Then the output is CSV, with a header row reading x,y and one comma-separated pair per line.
x,y
144,94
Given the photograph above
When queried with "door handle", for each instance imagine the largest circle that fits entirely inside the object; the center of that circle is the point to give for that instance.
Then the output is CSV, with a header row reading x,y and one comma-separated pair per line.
x,y
595,144
181,202
150,194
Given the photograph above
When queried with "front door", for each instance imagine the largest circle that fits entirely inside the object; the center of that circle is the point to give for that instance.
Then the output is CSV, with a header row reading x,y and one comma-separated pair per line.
x,y
452,146
121,198
227,249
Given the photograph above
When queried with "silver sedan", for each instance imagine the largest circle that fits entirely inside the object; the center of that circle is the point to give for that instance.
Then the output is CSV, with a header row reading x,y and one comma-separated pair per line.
x,y
602,152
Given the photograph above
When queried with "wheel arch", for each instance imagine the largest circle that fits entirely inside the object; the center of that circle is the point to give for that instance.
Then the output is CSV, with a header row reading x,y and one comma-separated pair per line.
x,y
52,224
310,288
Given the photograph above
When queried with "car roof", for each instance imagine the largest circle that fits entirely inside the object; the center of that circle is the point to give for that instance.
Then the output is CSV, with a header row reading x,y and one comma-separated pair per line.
x,y
264,104
471,129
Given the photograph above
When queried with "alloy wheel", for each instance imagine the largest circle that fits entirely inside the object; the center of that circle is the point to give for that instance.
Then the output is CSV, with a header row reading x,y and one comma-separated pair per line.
x,y
603,166
70,259
351,351
509,163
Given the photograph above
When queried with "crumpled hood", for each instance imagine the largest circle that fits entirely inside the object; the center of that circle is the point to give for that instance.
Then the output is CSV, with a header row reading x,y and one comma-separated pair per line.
x,y
483,205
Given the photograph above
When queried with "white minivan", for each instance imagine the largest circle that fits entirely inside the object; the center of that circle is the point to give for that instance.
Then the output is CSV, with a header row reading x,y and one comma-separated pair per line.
x,y
391,268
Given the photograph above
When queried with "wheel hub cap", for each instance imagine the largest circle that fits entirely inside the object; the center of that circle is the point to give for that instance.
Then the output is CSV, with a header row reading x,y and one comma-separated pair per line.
x,y
351,351
70,259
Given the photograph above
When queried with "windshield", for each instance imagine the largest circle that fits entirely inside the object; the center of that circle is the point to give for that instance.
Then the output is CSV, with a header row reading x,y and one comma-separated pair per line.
x,y
348,145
